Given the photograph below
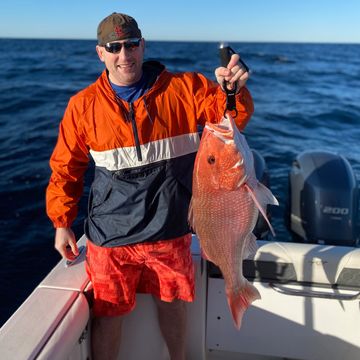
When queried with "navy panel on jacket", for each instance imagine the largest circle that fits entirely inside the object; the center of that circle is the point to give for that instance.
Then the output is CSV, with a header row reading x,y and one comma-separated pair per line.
x,y
146,203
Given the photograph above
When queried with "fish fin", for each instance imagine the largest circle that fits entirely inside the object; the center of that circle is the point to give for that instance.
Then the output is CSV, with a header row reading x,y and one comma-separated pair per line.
x,y
191,219
240,300
203,254
266,197
251,247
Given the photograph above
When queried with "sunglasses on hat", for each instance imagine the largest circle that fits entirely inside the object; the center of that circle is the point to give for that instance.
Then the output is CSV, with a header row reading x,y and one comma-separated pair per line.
x,y
115,47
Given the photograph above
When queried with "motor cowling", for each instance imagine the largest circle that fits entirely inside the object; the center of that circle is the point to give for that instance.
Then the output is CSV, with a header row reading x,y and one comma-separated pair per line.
x,y
323,199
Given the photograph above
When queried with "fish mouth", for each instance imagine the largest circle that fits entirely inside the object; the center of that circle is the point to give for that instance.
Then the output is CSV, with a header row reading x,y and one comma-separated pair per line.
x,y
226,132
223,130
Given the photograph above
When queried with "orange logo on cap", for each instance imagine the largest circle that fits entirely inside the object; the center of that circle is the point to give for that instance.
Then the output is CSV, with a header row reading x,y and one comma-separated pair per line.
x,y
118,30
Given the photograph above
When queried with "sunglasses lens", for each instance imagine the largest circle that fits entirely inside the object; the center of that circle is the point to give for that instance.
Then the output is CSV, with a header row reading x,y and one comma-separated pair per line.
x,y
116,47
113,47
130,45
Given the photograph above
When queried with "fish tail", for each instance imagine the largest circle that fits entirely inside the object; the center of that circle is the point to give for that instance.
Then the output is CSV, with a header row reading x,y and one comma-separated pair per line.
x,y
240,300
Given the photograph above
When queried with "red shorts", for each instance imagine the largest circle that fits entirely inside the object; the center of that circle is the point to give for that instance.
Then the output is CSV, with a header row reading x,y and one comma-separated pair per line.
x,y
163,268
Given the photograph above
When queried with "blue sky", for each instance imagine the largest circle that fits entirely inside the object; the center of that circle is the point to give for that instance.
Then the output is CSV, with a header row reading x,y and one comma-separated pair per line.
x,y
335,21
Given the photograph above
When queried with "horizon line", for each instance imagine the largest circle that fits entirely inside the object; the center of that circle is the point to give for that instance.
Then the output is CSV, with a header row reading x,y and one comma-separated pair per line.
x,y
198,41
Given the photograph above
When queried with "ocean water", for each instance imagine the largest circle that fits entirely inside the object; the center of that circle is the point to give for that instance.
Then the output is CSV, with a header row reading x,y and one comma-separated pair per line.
x,y
307,97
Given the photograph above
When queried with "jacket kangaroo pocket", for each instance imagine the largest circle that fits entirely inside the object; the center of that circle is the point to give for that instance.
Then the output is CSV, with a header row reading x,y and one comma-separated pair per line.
x,y
142,204
130,192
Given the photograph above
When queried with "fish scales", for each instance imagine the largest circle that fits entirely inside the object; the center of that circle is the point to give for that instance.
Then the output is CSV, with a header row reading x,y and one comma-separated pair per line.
x,y
224,220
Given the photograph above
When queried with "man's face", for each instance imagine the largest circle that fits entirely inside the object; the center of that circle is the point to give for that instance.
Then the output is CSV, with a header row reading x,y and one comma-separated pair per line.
x,y
124,64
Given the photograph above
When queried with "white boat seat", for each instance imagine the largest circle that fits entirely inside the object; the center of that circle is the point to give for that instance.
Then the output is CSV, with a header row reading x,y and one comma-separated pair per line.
x,y
323,265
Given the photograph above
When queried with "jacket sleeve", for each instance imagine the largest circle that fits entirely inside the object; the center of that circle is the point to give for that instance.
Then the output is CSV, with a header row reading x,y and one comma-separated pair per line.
x,y
68,163
210,102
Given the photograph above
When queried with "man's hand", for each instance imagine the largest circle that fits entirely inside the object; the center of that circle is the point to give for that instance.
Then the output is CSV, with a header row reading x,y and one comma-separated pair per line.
x,y
65,243
233,73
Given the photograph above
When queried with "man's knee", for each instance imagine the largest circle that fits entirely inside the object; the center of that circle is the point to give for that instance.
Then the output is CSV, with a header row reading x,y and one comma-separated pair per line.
x,y
107,322
171,306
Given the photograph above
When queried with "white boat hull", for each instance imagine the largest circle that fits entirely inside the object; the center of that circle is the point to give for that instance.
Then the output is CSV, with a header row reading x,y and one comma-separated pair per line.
x,y
300,315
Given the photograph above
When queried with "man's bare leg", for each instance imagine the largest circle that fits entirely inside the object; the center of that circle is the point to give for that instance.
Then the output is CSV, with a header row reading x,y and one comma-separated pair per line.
x,y
106,337
172,321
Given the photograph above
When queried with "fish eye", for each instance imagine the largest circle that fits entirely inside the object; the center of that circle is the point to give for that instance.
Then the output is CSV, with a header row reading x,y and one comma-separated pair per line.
x,y
211,159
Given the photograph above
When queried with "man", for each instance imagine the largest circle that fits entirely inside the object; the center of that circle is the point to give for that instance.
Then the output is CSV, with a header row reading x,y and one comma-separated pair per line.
x,y
139,123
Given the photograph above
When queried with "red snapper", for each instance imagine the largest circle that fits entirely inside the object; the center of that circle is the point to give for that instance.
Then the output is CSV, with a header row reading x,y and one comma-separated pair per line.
x,y
224,208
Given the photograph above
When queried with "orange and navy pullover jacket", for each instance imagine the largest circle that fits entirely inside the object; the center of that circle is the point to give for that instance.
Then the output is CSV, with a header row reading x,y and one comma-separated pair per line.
x,y
143,152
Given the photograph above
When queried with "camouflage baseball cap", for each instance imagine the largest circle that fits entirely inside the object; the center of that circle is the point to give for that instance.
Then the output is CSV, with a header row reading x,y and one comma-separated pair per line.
x,y
117,27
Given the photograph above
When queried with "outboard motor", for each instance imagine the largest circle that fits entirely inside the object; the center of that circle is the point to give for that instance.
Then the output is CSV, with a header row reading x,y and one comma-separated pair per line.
x,y
323,202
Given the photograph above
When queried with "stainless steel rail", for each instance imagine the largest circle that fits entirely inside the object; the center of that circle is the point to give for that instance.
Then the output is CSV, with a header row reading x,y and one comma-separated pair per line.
x,y
310,293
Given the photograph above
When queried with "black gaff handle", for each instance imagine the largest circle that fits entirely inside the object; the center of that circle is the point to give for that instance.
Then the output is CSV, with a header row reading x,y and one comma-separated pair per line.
x,y
225,53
